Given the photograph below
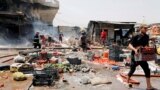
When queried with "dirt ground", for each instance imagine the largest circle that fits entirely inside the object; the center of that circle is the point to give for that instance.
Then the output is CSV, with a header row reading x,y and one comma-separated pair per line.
x,y
73,80
7,52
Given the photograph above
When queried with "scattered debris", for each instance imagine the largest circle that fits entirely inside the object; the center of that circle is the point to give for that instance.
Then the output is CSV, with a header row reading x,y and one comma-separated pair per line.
x,y
98,80
19,76
4,67
19,59
85,80
1,85
123,79
115,68
46,76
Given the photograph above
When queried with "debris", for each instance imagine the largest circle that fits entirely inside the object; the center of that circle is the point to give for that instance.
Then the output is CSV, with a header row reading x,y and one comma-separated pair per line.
x,y
98,80
19,59
93,70
26,68
5,76
71,70
74,60
85,70
15,66
7,60
128,85
46,76
85,80
1,85
64,80
4,67
33,55
54,60
65,63
19,76
123,79
115,68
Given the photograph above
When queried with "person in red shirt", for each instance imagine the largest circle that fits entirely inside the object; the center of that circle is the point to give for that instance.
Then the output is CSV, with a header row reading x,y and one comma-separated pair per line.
x,y
103,37
43,40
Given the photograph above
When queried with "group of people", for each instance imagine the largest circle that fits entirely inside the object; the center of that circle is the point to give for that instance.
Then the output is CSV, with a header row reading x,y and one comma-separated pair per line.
x,y
41,40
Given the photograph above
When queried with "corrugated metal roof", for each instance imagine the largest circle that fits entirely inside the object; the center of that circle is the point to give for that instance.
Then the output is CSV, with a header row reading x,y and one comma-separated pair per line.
x,y
115,22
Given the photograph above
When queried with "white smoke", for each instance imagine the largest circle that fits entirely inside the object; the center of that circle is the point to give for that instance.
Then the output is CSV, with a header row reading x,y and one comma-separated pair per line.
x,y
45,29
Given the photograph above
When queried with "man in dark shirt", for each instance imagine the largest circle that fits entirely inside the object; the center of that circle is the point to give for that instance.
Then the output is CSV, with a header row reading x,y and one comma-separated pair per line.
x,y
83,42
139,40
61,37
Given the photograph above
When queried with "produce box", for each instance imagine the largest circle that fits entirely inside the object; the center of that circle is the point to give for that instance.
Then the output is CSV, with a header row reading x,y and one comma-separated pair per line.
x,y
146,54
15,67
43,77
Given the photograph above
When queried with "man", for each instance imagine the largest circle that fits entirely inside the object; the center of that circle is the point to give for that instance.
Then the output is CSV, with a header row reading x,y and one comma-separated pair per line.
x,y
114,51
50,40
36,41
60,37
137,41
83,42
103,36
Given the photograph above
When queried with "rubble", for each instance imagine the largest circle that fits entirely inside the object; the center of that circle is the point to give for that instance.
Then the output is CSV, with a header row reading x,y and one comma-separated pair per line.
x,y
82,72
19,59
85,80
19,76
98,80
1,85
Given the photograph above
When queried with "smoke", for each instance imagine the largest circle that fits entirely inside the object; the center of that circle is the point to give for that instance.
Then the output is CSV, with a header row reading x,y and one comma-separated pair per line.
x,y
69,32
24,37
20,33
15,36
45,29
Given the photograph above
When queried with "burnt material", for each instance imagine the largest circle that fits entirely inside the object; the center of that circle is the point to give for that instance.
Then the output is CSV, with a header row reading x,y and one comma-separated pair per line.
x,y
44,77
17,19
4,67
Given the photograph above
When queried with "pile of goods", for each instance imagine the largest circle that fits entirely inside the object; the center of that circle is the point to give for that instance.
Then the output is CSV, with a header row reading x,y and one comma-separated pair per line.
x,y
19,76
21,67
45,76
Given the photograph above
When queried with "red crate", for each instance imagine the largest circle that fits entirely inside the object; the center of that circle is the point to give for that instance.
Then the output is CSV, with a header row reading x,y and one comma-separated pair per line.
x,y
146,54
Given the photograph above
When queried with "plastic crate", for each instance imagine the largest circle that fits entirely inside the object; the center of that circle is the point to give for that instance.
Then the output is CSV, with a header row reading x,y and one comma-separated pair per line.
x,y
75,61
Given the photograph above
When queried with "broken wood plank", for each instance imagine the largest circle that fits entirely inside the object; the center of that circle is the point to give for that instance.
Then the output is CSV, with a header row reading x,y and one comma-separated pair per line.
x,y
8,55
133,81
7,60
